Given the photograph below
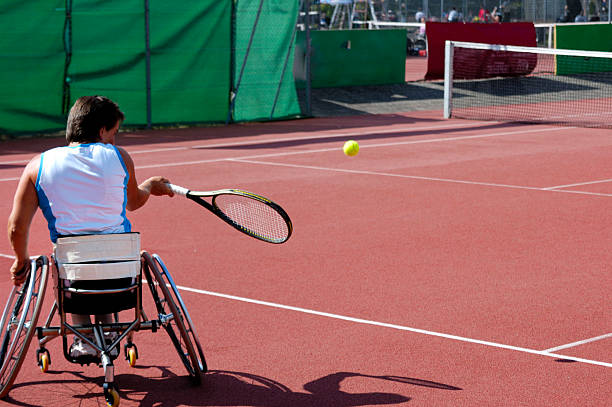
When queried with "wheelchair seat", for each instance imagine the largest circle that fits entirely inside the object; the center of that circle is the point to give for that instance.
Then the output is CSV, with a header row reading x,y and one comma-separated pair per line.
x,y
106,264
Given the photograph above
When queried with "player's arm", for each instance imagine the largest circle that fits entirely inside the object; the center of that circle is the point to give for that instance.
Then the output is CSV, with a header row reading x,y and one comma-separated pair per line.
x,y
137,195
25,204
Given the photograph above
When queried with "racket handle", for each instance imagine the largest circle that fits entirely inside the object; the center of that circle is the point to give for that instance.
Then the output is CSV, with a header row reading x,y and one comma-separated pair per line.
x,y
178,190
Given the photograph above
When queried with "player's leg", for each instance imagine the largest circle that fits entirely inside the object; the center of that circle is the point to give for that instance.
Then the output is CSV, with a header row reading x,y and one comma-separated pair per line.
x,y
79,347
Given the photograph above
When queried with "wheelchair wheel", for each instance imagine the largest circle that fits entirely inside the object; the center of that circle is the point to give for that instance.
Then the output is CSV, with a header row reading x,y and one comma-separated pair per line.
x,y
171,317
188,322
18,322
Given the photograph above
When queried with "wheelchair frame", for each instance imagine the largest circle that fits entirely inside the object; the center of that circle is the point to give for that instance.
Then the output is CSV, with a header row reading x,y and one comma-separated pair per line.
x,y
20,316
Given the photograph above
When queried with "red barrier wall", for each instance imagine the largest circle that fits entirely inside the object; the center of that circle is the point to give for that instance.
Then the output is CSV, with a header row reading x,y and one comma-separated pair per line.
x,y
522,34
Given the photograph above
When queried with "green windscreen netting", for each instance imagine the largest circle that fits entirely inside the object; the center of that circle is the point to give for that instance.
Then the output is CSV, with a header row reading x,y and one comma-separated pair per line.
x,y
163,62
108,60
190,60
264,47
32,68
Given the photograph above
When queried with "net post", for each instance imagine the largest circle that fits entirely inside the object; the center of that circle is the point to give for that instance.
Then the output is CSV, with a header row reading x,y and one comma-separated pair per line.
x,y
551,31
448,78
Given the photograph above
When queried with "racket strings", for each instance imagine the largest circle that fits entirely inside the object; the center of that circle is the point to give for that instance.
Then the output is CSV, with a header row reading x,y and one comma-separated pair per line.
x,y
254,216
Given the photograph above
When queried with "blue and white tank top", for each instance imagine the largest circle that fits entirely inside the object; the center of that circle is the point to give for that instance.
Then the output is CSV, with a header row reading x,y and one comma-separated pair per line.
x,y
83,190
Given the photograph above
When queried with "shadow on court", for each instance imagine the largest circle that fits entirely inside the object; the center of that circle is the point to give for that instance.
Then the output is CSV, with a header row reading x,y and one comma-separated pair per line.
x,y
35,144
373,136
220,388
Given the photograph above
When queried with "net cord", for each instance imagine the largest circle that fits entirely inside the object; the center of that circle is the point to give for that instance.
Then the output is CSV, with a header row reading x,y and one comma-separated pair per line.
x,y
533,50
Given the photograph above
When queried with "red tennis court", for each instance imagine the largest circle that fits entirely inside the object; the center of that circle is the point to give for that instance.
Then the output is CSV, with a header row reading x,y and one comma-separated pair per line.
x,y
449,263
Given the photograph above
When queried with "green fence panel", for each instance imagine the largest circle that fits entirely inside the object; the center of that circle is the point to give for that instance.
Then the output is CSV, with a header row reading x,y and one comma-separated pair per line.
x,y
57,51
190,60
591,37
108,54
266,88
32,68
356,57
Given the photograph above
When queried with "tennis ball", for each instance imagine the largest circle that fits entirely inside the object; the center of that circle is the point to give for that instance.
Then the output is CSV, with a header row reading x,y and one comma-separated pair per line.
x,y
351,148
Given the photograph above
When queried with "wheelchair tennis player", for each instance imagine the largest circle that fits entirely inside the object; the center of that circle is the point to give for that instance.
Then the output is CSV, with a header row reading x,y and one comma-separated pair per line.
x,y
83,190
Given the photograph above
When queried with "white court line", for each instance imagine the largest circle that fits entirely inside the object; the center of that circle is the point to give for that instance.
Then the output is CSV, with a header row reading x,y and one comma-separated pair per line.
x,y
387,174
394,326
14,162
577,343
580,184
328,149
327,135
547,353
289,153
330,133
315,137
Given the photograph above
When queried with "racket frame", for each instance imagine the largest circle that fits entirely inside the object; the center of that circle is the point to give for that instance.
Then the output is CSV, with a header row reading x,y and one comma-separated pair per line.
x,y
198,197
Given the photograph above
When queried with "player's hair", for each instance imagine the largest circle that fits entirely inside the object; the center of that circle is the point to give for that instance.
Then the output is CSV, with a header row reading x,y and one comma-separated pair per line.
x,y
88,115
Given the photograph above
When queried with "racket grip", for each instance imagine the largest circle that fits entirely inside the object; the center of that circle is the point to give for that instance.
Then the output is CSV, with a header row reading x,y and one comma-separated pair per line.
x,y
178,190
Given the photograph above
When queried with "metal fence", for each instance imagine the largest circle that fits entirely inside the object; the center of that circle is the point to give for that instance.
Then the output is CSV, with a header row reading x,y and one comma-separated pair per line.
x,y
537,11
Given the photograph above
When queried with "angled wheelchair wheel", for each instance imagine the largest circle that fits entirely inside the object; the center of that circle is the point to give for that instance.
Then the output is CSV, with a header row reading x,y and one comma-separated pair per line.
x,y
18,322
183,309
171,317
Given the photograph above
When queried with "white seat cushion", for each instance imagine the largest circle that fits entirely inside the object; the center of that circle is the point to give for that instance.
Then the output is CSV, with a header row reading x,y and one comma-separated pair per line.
x,y
107,247
98,271
98,257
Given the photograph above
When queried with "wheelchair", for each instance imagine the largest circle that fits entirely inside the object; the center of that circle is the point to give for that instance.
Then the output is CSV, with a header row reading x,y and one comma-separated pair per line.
x,y
94,275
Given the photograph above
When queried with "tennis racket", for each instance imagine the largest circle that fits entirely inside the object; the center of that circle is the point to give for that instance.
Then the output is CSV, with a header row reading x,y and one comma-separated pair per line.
x,y
247,212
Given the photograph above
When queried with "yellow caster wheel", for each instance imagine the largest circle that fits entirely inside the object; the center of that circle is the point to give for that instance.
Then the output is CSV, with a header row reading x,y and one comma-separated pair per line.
x,y
131,353
132,356
44,363
44,359
112,397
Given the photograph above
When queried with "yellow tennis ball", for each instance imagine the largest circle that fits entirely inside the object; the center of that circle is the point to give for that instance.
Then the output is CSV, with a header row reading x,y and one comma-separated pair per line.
x,y
351,148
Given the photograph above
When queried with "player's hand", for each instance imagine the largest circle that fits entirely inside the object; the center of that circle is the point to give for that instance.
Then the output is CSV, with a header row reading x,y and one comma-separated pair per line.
x,y
19,271
159,186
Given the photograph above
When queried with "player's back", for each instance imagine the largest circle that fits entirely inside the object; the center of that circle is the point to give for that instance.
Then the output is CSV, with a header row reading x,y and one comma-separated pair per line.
x,y
82,190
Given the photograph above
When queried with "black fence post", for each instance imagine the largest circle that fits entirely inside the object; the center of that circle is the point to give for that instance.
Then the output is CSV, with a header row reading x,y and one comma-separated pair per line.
x,y
148,62
308,49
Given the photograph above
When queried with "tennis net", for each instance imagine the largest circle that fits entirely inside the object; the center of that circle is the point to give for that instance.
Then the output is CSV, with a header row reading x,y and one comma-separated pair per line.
x,y
530,85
